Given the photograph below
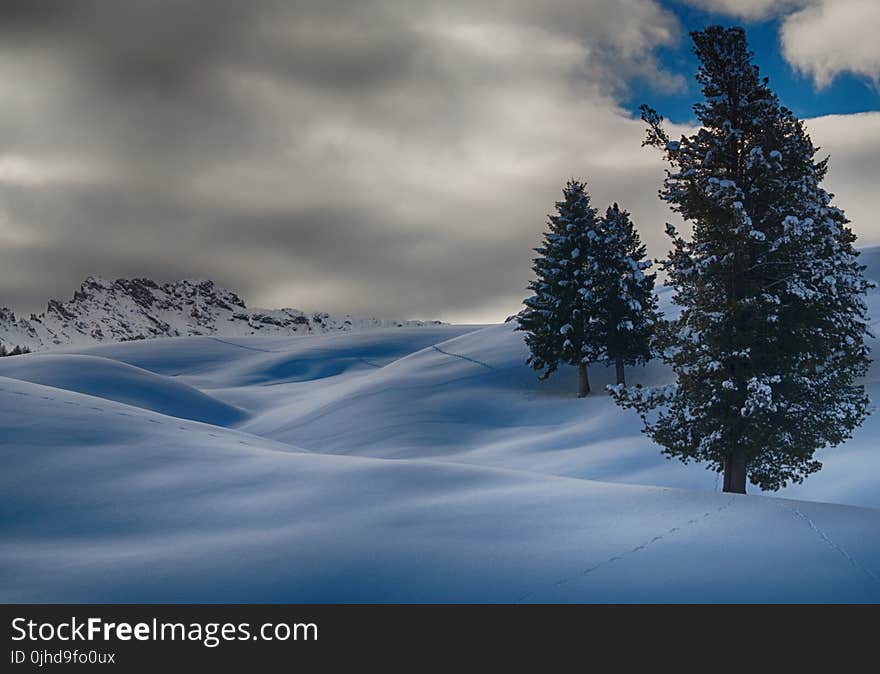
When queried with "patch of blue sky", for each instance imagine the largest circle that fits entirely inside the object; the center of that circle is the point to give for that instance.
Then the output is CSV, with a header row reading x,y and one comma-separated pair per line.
x,y
846,94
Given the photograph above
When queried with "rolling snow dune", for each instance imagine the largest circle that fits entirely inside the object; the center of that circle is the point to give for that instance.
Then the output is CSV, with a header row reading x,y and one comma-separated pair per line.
x,y
113,380
109,503
424,464
237,361
471,399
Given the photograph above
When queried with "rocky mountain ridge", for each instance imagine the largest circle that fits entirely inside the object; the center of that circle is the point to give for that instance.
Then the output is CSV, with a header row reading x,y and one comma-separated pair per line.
x,y
129,309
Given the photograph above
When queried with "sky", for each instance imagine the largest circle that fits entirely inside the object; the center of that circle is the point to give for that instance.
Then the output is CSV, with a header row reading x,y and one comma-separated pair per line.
x,y
386,157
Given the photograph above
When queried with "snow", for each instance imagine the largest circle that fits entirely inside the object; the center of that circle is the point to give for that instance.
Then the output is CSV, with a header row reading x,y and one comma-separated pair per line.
x,y
400,464
133,309
113,380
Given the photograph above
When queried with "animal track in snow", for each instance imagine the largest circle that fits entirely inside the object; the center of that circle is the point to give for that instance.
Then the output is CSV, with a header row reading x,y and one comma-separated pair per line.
x,y
637,548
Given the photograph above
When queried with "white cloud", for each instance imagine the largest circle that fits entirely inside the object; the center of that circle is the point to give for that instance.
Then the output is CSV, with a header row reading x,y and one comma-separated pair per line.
x,y
746,9
834,36
853,141
819,38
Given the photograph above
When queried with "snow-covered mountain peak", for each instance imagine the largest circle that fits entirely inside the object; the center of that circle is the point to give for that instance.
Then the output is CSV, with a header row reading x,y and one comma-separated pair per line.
x,y
104,310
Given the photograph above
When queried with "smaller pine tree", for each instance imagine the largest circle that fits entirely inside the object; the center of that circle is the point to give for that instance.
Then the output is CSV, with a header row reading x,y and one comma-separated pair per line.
x,y
557,317
622,293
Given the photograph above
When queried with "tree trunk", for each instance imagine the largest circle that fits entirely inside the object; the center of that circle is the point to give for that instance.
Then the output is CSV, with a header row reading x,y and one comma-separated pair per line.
x,y
735,472
621,375
583,381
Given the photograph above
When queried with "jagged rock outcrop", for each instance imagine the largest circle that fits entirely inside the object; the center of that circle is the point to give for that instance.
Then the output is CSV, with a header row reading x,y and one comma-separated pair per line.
x,y
129,309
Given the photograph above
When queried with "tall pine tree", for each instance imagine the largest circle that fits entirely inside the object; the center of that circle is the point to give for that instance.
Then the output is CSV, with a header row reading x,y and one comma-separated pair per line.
x,y
770,344
622,294
557,317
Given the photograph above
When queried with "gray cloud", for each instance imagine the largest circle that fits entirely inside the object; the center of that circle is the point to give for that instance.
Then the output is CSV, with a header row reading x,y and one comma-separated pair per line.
x,y
748,9
386,157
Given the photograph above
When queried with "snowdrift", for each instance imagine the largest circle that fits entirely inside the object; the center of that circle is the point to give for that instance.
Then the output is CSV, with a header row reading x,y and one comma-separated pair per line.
x,y
424,464
113,380
215,362
123,505
471,399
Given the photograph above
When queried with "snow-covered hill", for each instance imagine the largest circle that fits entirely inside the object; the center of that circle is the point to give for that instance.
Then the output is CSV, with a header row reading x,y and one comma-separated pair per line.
x,y
406,464
132,309
104,501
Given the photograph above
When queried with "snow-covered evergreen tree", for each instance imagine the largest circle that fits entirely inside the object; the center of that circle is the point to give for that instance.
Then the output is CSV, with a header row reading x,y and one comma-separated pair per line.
x,y
770,344
621,293
557,317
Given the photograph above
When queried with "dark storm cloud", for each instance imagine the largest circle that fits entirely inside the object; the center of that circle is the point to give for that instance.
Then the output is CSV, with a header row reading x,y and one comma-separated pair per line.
x,y
390,156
